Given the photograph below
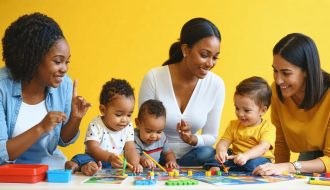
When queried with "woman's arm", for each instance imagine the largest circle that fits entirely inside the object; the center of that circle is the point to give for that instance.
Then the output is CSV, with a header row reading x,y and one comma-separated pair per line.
x,y
79,107
211,128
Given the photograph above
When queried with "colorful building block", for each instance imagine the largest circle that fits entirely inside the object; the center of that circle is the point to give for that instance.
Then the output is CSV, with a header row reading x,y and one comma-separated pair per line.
x,y
145,182
181,182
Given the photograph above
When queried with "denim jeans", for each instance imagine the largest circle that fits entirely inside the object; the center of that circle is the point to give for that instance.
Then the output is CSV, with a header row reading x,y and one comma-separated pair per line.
x,y
195,157
247,167
82,159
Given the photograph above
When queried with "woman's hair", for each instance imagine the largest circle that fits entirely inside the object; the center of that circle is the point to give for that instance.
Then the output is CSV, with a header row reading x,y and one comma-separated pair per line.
x,y
191,32
257,89
301,51
152,107
25,43
115,87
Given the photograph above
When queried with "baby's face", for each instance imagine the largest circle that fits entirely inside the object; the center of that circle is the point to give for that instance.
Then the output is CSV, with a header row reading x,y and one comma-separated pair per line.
x,y
247,111
117,114
151,128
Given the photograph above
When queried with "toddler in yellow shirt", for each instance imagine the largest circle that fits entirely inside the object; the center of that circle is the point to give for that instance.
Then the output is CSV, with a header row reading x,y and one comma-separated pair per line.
x,y
252,138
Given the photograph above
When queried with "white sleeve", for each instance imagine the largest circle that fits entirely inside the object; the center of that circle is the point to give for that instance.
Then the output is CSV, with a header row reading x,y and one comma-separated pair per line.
x,y
94,132
147,89
211,129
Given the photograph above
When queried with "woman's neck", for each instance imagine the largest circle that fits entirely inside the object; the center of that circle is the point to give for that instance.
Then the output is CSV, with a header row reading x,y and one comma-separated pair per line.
x,y
33,92
182,73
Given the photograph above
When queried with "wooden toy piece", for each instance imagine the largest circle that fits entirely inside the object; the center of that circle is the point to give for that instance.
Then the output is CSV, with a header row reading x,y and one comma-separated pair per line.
x,y
219,173
145,182
327,175
225,169
160,166
121,157
169,169
171,174
23,173
152,175
208,173
176,173
298,176
59,176
190,173
316,174
318,182
181,182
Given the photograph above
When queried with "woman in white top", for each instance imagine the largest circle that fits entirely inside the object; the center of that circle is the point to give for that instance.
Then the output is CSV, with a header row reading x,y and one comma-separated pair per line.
x,y
192,95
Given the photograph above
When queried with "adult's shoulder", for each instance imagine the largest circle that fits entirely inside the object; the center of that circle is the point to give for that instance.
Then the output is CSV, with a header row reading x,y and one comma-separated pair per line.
x,y
214,81
158,71
5,74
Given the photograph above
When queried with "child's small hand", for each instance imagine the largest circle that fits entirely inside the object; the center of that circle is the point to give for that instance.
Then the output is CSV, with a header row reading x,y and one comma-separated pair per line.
x,y
137,168
147,163
221,156
171,164
91,168
239,159
115,161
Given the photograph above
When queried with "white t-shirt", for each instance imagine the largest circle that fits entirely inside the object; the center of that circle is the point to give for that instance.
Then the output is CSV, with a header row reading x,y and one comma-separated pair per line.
x,y
203,110
29,116
111,141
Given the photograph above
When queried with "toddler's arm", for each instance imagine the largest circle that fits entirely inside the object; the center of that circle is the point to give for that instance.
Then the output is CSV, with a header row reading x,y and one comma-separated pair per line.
x,y
132,156
94,149
171,160
221,150
254,152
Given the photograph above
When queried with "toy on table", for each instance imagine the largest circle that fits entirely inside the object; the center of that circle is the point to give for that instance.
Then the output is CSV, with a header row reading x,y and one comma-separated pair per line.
x,y
124,167
121,157
160,166
313,181
225,169
181,182
23,173
59,176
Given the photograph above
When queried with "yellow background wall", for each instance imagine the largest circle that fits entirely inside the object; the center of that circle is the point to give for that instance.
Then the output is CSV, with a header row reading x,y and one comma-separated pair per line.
x,y
124,39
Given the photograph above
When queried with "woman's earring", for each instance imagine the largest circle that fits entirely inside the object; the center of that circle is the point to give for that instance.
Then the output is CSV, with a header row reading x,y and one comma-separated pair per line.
x,y
184,55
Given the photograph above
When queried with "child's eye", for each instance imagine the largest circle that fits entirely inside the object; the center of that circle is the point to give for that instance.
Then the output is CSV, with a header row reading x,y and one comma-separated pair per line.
x,y
118,115
159,132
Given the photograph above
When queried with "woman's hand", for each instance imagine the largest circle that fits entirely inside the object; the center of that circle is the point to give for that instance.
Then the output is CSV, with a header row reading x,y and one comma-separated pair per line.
x,y
184,130
79,105
52,119
272,169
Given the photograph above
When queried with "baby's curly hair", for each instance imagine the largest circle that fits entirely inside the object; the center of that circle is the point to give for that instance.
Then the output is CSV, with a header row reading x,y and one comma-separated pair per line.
x,y
25,43
152,107
115,87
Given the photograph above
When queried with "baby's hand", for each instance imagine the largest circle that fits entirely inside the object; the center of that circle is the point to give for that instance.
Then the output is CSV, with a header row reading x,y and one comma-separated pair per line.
x,y
115,161
171,164
239,159
91,168
221,156
147,163
137,168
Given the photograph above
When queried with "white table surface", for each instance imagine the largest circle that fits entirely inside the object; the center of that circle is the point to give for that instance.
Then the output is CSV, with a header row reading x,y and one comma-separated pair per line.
x,y
77,183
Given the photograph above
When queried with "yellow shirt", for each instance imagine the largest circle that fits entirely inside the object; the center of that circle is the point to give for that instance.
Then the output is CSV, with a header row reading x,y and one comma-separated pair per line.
x,y
244,138
299,130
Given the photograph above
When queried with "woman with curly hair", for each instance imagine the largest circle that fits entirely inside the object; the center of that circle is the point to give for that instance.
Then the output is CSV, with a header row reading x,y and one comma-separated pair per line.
x,y
39,106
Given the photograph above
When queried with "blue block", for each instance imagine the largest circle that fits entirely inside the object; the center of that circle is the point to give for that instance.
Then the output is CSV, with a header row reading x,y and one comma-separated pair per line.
x,y
59,176
145,182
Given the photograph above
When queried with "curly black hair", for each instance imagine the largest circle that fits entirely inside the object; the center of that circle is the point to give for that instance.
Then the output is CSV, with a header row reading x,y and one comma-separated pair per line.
x,y
25,43
152,107
113,87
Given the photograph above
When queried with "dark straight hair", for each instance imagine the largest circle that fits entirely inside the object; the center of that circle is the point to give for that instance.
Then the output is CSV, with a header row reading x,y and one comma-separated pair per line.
x,y
301,51
191,32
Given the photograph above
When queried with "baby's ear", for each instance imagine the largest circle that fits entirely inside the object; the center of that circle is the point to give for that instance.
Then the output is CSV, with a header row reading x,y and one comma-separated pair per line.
x,y
102,109
137,122
263,110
